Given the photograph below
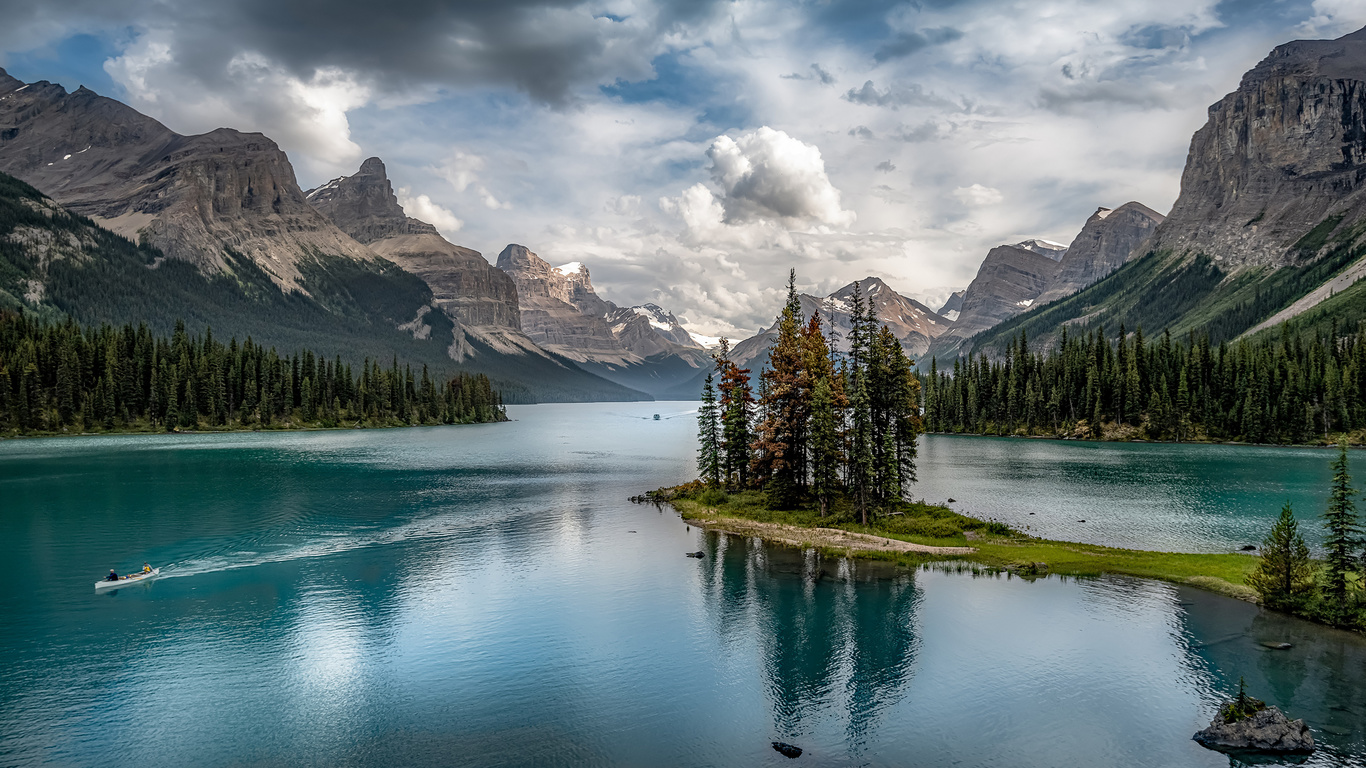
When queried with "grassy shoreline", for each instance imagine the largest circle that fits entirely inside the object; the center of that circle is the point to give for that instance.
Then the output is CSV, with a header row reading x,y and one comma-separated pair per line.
x,y
939,534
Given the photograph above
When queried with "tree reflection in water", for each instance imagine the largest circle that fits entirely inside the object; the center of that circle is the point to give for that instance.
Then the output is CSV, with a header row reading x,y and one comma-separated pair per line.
x,y
835,635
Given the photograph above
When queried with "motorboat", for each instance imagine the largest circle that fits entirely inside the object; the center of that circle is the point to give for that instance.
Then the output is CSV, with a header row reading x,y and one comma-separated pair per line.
x,y
130,579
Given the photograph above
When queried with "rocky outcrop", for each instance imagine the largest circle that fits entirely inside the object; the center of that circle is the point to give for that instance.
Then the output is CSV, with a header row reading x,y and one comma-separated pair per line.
x,y
193,197
1277,157
1109,239
1008,283
479,297
1267,730
551,299
913,323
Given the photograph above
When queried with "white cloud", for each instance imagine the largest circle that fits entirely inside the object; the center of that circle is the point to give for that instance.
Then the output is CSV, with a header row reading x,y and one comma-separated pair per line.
x,y
978,195
462,171
422,208
1335,17
308,116
766,174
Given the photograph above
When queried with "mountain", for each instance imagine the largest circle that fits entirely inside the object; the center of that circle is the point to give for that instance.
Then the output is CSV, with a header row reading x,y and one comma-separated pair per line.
x,y
235,242
1106,242
913,323
648,329
192,197
479,298
1270,224
953,306
1010,279
561,312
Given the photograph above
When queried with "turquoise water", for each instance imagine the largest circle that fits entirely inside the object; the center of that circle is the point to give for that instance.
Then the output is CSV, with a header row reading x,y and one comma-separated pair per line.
x,y
1162,496
485,595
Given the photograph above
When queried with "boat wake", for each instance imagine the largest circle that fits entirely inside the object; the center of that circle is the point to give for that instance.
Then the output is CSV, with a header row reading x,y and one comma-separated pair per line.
x,y
448,526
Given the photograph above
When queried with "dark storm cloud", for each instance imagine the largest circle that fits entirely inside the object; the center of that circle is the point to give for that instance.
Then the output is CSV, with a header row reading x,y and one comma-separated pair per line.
x,y
545,48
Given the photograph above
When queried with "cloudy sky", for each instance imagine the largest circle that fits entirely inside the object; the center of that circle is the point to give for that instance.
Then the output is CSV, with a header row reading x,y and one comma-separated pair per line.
x,y
690,152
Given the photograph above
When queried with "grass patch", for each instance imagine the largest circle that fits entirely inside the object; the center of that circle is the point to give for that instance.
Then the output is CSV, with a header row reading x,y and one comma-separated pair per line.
x,y
998,546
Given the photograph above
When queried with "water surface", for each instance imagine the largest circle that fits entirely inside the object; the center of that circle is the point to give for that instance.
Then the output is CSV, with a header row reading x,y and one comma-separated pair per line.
x,y
485,595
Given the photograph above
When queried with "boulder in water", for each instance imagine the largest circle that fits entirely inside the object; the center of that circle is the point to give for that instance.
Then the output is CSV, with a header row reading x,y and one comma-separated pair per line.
x,y
699,554
1266,730
787,750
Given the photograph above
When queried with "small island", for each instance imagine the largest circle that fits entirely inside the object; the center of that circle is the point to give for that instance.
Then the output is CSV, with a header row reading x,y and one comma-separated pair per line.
x,y
1245,724
824,458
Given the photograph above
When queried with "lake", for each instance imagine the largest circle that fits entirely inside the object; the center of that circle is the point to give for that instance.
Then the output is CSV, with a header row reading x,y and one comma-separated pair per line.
x,y
486,595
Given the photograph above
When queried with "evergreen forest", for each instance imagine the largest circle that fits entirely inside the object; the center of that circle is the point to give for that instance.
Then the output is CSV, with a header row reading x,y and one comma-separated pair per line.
x,y
63,377
821,426
1292,387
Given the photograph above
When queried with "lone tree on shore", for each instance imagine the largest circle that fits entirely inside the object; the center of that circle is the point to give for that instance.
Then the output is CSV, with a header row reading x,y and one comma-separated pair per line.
x,y
1285,576
1344,536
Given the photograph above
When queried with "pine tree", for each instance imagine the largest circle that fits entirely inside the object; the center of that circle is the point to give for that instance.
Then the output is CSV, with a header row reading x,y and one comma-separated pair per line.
x,y
1285,576
1340,520
826,456
709,436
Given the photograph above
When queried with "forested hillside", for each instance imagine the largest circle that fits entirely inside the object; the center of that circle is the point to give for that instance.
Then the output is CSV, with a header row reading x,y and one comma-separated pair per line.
x,y
55,264
64,377
1300,385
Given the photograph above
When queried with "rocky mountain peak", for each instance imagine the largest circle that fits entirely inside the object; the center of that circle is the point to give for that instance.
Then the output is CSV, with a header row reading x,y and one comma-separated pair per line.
x,y
8,83
1276,158
193,197
952,306
1108,240
1052,250
364,205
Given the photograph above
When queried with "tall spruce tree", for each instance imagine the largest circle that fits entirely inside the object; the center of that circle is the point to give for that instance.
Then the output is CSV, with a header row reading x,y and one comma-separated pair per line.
x,y
709,435
1341,543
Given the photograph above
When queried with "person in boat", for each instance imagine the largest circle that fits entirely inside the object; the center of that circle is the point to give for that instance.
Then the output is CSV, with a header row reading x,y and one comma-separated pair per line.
x,y
113,576
146,568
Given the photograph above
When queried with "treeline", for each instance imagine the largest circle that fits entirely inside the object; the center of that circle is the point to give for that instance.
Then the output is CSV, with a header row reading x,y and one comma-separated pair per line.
x,y
1292,389
63,376
823,424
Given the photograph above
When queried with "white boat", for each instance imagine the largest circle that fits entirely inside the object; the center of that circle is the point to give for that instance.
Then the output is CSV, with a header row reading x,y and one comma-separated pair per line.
x,y
126,580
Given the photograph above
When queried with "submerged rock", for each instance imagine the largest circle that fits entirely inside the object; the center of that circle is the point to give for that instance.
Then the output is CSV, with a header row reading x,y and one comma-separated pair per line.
x,y
787,750
698,554
1277,646
1249,547
1267,730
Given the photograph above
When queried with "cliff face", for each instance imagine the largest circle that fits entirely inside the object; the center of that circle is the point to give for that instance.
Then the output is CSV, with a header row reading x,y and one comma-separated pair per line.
x,y
467,288
1276,157
1008,283
1108,240
553,300
193,197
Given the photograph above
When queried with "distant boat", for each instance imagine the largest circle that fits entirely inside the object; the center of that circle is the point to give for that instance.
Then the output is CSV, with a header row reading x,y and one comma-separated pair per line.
x,y
126,580
656,417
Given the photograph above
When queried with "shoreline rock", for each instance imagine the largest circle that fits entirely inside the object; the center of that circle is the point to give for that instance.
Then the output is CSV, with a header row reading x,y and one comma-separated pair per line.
x,y
1267,730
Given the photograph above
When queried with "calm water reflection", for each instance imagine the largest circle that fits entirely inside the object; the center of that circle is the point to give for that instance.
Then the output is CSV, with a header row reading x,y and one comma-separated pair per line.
x,y
486,596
